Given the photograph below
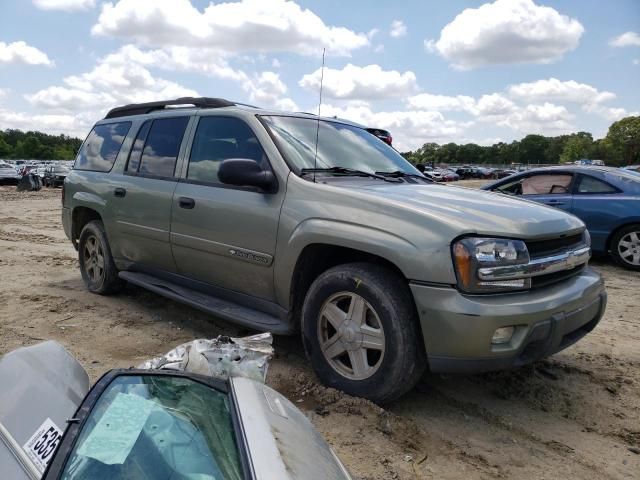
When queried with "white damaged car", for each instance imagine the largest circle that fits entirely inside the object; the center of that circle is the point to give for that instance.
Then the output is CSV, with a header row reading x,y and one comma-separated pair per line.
x,y
151,423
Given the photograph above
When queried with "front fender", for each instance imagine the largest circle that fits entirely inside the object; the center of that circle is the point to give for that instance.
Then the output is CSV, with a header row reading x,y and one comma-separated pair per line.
x,y
397,250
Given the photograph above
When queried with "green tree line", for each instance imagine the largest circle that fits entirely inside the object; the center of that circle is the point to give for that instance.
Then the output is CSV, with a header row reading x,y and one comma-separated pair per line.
x,y
16,144
620,147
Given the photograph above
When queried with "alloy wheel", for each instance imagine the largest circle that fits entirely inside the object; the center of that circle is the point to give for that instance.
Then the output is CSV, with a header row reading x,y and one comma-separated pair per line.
x,y
93,259
629,248
351,336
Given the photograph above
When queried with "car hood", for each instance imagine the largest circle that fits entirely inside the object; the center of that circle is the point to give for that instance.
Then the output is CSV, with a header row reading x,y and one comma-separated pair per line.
x,y
476,211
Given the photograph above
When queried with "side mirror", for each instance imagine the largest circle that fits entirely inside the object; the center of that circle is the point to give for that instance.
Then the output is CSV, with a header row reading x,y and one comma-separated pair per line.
x,y
244,172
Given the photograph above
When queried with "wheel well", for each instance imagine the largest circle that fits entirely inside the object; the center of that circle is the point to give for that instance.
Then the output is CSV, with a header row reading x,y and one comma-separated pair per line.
x,y
81,216
614,232
318,258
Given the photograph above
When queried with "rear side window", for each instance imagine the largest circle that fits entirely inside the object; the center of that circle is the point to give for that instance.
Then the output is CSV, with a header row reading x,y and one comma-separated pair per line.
x,y
101,147
218,139
138,145
593,185
156,147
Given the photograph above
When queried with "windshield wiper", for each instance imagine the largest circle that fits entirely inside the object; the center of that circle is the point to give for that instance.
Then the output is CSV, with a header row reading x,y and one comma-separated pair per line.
x,y
401,174
345,171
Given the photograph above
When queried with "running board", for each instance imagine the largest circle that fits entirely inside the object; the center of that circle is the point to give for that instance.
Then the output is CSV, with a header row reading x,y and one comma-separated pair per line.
x,y
224,309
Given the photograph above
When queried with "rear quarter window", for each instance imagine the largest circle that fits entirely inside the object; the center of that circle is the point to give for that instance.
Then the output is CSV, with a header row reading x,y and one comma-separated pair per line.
x,y
101,148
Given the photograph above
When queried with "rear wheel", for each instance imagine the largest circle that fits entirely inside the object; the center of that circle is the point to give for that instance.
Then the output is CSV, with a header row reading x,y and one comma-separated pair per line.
x,y
625,247
98,270
361,333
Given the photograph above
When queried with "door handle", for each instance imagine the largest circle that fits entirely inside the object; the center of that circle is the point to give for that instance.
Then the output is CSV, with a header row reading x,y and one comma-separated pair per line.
x,y
555,202
119,192
186,202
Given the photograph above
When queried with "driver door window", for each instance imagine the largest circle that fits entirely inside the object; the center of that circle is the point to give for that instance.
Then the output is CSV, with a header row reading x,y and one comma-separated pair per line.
x,y
218,139
553,189
553,184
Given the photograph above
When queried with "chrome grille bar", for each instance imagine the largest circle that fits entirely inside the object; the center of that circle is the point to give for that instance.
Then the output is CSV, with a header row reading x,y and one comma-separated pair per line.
x,y
537,266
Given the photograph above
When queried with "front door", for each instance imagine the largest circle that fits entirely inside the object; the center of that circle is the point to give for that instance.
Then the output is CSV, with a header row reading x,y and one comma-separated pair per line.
x,y
143,195
220,234
553,189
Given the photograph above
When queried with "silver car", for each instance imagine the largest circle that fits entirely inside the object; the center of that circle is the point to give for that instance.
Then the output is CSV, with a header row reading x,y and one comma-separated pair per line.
x,y
149,424
8,174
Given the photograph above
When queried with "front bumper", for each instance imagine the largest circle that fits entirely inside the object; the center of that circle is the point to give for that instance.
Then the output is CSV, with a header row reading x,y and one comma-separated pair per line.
x,y
458,328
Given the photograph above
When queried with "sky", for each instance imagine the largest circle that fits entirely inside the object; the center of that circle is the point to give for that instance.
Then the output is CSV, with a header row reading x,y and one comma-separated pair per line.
x,y
428,71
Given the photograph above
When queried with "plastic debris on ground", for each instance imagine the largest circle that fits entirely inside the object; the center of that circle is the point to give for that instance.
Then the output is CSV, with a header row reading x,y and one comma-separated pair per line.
x,y
221,357
29,183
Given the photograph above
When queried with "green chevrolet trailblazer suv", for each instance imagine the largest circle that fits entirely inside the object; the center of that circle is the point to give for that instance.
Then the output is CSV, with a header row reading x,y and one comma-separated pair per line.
x,y
288,222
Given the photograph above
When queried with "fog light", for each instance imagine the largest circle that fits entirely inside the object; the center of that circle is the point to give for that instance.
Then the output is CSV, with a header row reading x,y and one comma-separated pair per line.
x,y
502,335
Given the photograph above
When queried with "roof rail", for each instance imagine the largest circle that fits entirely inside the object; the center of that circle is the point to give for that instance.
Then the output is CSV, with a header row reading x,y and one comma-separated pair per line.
x,y
142,108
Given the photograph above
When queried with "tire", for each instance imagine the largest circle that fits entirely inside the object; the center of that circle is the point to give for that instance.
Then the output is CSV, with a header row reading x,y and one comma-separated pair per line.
x,y
625,247
98,270
395,358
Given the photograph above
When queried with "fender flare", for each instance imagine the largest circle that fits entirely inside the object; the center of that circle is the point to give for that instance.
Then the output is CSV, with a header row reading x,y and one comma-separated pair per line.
x,y
368,239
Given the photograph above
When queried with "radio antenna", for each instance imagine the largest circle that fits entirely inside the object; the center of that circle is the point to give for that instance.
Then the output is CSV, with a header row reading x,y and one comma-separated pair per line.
x,y
315,157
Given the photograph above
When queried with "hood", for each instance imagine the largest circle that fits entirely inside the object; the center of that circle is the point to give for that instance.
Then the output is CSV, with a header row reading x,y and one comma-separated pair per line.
x,y
469,210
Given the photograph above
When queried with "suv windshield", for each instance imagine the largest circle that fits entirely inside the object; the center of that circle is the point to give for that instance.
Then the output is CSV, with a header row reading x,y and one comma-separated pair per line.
x,y
339,145
150,427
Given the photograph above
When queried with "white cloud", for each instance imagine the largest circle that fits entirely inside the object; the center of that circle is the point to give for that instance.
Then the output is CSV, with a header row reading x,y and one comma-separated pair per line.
x,y
117,79
627,39
267,90
67,5
354,82
69,99
609,113
73,125
554,89
545,119
506,32
211,62
636,61
427,101
247,25
398,29
4,92
410,128
494,104
20,52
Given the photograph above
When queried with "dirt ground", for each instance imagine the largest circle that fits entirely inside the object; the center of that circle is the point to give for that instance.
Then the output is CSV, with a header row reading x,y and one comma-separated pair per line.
x,y
575,415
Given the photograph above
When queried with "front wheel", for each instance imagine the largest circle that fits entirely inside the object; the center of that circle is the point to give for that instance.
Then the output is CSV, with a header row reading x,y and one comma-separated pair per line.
x,y
97,267
360,332
625,247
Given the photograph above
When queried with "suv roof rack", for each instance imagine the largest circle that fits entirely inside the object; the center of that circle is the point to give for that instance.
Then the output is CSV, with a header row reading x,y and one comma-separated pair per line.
x,y
142,108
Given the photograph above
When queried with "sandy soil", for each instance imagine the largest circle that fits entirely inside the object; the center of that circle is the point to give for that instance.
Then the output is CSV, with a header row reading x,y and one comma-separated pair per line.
x,y
575,415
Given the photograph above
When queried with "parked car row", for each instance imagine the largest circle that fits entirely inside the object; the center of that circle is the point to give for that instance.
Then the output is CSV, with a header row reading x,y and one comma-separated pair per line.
x,y
51,173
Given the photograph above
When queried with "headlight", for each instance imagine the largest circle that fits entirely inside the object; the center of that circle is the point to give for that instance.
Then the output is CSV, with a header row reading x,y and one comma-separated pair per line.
x,y
473,253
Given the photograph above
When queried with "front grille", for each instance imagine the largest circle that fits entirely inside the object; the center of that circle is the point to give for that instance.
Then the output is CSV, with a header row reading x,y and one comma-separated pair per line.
x,y
555,277
553,246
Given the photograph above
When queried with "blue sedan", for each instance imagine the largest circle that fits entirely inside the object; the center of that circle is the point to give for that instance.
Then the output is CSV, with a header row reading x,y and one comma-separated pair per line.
x,y
607,200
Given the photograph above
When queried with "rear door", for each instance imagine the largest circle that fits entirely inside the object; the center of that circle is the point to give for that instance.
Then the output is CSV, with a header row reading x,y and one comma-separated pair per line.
x,y
143,194
221,234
